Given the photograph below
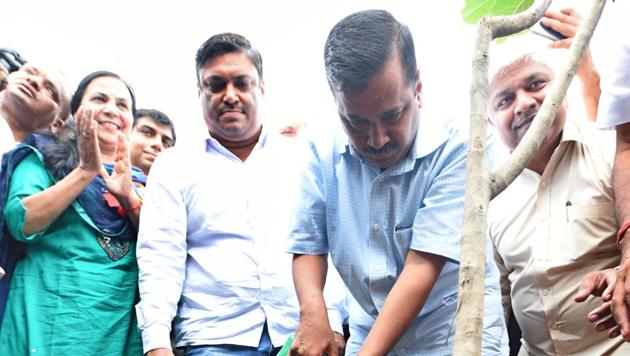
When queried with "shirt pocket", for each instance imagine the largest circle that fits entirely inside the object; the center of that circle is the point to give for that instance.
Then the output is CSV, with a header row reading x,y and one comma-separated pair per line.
x,y
591,230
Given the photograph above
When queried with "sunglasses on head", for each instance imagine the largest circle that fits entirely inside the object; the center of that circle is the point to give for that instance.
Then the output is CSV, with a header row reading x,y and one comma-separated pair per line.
x,y
11,60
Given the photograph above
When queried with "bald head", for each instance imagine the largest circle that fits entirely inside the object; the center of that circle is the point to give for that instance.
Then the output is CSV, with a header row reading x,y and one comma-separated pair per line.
x,y
34,97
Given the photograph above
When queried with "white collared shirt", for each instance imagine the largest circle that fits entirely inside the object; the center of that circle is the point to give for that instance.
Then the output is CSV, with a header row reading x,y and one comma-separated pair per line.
x,y
211,247
7,141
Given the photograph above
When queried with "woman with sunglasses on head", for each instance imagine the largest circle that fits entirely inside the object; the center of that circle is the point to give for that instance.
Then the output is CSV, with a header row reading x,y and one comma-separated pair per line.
x,y
72,209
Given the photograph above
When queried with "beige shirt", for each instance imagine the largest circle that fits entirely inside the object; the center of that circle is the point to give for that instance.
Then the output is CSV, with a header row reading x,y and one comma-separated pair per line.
x,y
549,231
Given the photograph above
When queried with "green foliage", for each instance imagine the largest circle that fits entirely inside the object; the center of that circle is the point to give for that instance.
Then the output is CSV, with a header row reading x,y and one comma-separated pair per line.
x,y
474,10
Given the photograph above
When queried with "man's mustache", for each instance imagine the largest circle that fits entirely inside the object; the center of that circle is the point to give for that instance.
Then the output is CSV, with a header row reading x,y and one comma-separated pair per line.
x,y
383,151
231,107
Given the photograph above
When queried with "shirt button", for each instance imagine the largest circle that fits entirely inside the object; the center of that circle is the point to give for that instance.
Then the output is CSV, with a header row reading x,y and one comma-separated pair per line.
x,y
545,292
376,227
543,218
381,179
403,350
543,185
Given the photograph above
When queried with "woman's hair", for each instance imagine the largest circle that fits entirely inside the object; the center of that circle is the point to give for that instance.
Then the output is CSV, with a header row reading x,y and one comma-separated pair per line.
x,y
80,92
61,153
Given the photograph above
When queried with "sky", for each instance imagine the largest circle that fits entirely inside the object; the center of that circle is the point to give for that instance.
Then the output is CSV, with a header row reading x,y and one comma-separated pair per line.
x,y
152,45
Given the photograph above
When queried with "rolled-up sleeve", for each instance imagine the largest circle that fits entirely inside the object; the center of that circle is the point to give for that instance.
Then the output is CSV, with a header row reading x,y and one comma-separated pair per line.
x,y
161,253
614,103
29,178
308,223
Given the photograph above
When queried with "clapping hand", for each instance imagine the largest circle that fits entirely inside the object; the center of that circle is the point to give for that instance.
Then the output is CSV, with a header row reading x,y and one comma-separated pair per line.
x,y
119,182
89,152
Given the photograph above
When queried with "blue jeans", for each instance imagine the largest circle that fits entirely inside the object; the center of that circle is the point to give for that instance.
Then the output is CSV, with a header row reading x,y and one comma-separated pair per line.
x,y
265,348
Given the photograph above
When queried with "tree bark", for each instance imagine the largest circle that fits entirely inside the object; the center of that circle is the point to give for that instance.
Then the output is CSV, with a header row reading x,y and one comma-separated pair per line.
x,y
481,185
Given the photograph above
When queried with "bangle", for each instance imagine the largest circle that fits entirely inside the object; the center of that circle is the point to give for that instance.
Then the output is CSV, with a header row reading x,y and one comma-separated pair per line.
x,y
622,231
135,206
123,212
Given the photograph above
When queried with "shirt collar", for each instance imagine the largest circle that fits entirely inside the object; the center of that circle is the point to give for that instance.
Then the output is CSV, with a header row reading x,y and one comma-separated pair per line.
x,y
211,144
429,137
572,131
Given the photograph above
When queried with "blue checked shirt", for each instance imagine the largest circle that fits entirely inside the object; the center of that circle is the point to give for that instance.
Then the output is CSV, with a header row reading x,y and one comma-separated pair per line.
x,y
368,220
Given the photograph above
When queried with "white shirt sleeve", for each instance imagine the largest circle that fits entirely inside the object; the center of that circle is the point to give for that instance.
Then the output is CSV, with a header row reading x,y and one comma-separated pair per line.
x,y
614,103
161,253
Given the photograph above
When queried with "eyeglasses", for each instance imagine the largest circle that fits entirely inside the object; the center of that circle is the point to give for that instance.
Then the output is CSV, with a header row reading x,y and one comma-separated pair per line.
x,y
218,84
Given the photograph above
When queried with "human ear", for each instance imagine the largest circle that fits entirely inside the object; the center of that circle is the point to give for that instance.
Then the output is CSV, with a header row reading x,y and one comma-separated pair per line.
x,y
418,89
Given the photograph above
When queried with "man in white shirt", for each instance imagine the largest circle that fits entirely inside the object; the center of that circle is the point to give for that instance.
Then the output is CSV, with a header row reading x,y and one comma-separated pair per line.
x,y
555,222
214,223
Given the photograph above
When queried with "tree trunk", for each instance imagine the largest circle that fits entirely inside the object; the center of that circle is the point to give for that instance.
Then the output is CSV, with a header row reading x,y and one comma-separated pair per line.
x,y
482,186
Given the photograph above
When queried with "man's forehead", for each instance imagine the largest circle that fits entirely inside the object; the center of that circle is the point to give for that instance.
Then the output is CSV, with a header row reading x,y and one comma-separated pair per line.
x,y
369,104
519,67
52,74
148,121
238,76
231,64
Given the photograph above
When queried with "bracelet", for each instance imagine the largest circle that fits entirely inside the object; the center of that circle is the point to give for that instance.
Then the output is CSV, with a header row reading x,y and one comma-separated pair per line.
x,y
123,212
135,206
622,231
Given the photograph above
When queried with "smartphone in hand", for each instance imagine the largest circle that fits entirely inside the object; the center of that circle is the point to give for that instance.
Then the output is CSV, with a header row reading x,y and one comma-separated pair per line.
x,y
547,32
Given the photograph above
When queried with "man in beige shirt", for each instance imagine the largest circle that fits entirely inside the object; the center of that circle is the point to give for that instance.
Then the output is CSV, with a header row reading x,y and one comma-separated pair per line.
x,y
556,221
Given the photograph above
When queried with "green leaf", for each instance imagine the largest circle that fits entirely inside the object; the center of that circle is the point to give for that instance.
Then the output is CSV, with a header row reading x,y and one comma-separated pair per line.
x,y
474,10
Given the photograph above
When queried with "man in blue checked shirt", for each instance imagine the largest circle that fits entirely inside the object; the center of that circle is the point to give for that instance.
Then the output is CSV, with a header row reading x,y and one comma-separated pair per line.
x,y
388,207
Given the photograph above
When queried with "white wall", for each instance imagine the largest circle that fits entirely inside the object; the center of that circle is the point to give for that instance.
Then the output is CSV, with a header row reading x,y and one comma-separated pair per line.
x,y
152,44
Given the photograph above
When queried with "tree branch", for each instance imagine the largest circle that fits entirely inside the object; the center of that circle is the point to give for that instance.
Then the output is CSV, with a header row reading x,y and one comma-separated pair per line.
x,y
479,190
469,322
508,25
